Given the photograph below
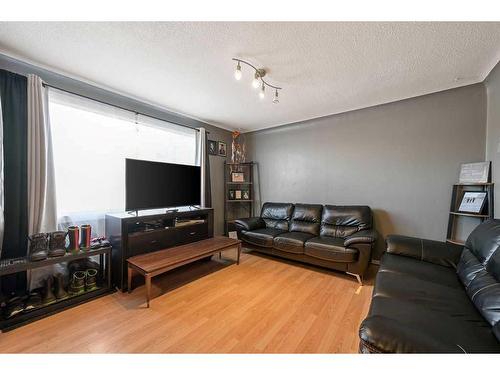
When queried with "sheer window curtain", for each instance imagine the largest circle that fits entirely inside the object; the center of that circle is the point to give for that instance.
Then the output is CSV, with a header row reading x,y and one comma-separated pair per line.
x,y
204,163
41,186
91,141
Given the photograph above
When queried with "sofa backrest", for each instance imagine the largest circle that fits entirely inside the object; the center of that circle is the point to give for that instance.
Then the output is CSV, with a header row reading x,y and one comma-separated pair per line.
x,y
479,269
306,218
276,215
343,221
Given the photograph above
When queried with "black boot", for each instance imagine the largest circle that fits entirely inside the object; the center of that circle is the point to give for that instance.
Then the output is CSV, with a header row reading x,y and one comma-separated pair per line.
x,y
77,283
91,279
39,246
57,244
48,294
60,292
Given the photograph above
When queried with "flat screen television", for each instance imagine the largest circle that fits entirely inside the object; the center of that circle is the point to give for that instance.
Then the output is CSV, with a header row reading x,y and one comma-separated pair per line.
x,y
150,184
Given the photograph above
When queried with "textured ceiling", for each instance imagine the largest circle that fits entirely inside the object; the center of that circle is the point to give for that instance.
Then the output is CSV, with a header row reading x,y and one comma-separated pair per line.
x,y
324,68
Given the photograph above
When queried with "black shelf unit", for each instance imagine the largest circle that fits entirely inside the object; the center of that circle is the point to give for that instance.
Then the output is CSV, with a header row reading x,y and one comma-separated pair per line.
x,y
23,318
456,198
238,208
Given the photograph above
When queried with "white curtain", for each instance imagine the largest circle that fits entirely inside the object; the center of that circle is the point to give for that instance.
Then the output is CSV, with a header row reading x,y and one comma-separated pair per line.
x,y
202,155
41,186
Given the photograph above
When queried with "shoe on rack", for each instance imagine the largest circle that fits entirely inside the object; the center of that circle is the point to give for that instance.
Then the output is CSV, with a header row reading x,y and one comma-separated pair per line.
x,y
60,292
57,243
15,306
39,246
85,232
34,301
91,279
99,242
47,293
77,283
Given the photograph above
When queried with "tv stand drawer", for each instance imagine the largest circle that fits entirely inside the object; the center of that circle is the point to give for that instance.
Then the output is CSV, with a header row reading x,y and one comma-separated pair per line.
x,y
145,242
191,233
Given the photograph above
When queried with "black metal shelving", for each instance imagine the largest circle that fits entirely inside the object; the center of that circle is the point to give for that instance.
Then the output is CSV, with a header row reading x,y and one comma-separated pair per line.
x,y
23,264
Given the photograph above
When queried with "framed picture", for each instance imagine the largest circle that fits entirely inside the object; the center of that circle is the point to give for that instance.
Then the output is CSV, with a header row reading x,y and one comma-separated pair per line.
x,y
212,147
231,195
237,177
222,149
245,194
472,202
237,194
475,173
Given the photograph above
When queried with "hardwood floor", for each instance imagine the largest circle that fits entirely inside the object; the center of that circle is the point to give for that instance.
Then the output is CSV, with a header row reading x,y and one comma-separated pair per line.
x,y
264,305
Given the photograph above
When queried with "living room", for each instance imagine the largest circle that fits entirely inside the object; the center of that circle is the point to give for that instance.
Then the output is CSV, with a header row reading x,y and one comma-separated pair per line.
x,y
250,186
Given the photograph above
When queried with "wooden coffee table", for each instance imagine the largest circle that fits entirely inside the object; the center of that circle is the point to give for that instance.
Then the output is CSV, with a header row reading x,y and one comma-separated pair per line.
x,y
158,262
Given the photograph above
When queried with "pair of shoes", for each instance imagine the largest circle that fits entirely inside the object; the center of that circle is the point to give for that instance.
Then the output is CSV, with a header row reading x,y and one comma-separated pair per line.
x,y
14,306
75,243
83,281
54,289
99,242
43,245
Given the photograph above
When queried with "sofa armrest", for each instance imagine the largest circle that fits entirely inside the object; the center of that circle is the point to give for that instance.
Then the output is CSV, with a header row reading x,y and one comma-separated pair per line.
x,y
363,236
250,223
441,253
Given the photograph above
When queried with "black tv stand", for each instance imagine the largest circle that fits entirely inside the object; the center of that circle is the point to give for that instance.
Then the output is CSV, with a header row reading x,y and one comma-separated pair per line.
x,y
152,230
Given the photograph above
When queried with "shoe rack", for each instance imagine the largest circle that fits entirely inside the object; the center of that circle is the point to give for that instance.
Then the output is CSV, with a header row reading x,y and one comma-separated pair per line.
x,y
12,266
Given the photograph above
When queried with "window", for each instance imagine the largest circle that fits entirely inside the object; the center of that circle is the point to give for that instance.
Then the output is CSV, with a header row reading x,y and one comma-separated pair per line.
x,y
90,143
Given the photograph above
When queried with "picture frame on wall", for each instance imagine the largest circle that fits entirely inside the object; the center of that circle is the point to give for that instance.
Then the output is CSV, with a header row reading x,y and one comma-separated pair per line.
x,y
237,177
212,147
222,148
472,202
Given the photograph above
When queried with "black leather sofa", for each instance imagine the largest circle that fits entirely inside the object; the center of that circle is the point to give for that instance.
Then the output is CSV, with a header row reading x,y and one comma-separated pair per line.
x,y
435,297
335,237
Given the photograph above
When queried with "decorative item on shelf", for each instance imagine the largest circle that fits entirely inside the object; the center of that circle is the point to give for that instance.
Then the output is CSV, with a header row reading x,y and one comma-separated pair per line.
x,y
222,149
237,194
471,173
258,81
472,202
237,177
231,195
245,194
212,147
238,149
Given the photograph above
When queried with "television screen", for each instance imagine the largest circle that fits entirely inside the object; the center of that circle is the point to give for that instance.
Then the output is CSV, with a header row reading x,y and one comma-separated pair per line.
x,y
151,184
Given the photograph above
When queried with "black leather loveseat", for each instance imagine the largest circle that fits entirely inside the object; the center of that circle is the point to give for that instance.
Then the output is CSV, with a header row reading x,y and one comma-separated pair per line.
x,y
434,297
336,237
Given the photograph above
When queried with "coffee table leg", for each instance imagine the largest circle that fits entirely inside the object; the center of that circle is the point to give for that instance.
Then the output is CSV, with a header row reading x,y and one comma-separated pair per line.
x,y
239,253
148,288
129,280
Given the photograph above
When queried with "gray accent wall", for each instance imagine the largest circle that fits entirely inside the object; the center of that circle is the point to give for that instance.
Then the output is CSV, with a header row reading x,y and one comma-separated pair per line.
x,y
492,83
82,88
400,158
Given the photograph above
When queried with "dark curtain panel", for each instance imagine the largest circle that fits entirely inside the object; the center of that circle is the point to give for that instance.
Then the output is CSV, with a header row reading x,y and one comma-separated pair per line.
x,y
13,94
208,187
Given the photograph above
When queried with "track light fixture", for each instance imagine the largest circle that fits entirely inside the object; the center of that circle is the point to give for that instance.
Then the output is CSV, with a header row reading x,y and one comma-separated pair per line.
x,y
258,80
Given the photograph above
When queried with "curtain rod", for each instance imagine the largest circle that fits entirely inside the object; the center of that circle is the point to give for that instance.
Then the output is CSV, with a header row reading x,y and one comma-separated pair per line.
x,y
120,107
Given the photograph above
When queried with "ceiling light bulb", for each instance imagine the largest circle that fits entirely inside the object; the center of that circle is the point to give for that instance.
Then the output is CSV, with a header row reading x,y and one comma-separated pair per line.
x,y
262,92
237,72
275,99
256,81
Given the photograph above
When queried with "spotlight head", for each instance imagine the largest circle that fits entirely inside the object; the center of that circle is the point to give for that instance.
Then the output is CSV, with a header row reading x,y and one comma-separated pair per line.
x,y
262,92
256,81
275,99
237,72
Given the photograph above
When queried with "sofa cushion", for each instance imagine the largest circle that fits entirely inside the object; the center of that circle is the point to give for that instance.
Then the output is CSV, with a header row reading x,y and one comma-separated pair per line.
x,y
292,242
261,237
330,248
479,269
422,307
343,221
306,218
277,215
